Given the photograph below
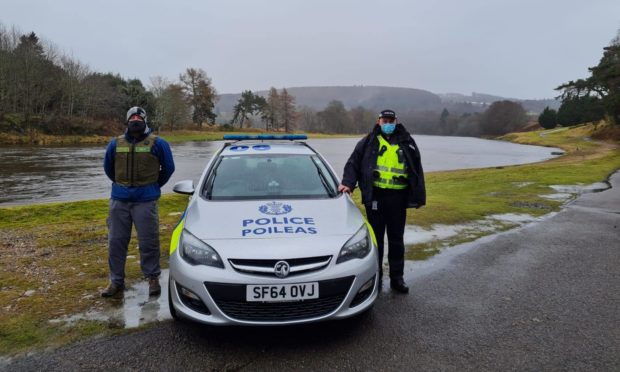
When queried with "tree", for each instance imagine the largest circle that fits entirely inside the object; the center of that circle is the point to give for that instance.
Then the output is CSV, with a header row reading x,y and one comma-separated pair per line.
x,y
503,117
249,104
607,75
173,106
579,110
272,111
548,118
602,88
200,94
287,110
335,118
361,119
443,122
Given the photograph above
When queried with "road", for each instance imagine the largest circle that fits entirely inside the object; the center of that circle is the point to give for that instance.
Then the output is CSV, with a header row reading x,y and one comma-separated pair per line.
x,y
543,297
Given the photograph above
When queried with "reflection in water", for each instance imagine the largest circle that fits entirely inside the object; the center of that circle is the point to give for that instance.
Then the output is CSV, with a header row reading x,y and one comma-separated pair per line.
x,y
47,174
135,309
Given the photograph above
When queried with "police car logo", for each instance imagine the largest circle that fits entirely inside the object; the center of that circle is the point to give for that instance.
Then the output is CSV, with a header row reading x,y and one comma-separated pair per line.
x,y
281,269
275,208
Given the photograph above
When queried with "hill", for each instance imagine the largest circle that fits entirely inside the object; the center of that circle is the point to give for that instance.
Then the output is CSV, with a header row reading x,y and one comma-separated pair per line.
x,y
482,100
370,97
403,100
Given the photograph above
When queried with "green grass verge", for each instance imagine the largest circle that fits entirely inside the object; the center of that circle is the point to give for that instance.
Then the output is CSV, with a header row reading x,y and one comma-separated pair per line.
x,y
60,250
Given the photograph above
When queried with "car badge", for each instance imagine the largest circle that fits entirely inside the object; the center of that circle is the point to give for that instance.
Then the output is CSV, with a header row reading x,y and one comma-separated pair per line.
x,y
275,208
281,269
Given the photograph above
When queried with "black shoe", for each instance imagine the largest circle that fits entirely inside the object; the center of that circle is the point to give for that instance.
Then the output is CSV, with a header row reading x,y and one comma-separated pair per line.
x,y
113,290
398,285
154,287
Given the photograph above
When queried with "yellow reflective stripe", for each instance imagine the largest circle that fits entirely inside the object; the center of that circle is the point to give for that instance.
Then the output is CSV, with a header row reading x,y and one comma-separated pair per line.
x,y
176,236
371,231
143,149
398,170
122,149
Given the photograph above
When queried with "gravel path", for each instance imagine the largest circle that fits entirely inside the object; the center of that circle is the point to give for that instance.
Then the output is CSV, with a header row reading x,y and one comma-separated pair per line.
x,y
542,297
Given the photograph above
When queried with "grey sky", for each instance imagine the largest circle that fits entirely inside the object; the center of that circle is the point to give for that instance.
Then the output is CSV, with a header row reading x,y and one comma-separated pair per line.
x,y
519,49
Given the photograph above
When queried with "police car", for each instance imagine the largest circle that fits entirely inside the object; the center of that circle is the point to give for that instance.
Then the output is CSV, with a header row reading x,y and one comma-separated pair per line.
x,y
266,239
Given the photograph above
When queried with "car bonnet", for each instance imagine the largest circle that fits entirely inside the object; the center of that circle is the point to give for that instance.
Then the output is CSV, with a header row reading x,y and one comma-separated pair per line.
x,y
272,219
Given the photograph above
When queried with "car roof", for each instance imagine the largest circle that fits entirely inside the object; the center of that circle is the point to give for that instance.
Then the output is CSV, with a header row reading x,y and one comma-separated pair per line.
x,y
266,148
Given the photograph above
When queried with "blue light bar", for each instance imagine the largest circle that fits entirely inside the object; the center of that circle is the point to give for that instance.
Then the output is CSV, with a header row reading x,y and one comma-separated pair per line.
x,y
241,137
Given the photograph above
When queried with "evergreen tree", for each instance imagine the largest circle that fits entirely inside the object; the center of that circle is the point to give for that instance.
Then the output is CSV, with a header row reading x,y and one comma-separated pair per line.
x,y
548,118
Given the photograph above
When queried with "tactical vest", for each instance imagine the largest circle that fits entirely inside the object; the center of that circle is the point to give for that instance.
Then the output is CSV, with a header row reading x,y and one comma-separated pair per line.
x,y
134,164
391,169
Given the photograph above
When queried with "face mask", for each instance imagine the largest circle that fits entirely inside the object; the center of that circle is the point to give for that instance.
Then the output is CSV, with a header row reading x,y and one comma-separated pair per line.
x,y
136,127
388,128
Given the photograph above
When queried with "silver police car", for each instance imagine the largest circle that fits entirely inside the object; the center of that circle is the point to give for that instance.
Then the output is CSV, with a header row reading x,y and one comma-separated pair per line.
x,y
267,240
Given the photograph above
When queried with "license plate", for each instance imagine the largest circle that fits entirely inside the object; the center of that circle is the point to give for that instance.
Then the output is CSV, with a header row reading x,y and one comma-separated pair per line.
x,y
282,292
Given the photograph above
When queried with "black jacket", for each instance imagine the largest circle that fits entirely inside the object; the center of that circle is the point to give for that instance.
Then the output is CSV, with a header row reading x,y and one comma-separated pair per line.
x,y
361,164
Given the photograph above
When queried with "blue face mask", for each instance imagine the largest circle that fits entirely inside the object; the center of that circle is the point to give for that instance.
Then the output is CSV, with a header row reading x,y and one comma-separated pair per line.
x,y
388,128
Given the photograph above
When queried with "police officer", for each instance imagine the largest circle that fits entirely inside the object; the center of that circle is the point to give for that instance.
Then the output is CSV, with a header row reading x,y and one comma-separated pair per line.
x,y
387,166
139,163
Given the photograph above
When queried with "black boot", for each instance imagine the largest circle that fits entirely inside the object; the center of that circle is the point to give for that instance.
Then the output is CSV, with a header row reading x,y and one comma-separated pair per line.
x,y
398,285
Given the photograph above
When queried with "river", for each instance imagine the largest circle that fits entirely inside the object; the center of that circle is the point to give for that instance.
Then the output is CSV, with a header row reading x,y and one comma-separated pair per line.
x,y
31,174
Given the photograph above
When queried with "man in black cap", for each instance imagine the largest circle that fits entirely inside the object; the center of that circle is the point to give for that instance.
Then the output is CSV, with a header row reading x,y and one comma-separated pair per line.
x,y
387,166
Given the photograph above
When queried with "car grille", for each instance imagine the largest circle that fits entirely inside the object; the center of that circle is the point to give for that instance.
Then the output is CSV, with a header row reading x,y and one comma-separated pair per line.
x,y
230,298
298,266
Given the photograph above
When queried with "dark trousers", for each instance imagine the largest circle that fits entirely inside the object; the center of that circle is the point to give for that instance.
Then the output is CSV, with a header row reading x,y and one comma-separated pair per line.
x,y
145,217
388,211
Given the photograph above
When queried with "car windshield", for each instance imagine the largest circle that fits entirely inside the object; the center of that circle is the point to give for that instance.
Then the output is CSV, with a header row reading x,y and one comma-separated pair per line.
x,y
270,177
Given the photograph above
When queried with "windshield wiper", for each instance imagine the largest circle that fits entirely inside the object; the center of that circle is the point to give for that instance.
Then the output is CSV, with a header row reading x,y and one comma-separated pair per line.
x,y
324,181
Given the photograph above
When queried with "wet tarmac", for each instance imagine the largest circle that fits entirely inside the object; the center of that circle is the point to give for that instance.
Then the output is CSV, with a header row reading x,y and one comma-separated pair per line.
x,y
31,174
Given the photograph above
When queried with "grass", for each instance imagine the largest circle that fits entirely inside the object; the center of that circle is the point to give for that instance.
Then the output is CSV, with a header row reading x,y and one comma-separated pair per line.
x,y
59,250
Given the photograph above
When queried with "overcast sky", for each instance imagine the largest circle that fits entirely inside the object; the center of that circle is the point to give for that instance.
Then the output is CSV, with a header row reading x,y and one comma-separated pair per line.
x,y
520,49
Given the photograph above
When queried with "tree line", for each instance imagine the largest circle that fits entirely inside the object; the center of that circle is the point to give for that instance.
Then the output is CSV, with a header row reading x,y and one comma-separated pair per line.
x,y
591,99
45,90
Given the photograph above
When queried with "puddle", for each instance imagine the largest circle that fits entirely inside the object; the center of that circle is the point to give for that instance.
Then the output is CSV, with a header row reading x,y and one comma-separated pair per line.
x,y
522,184
417,235
580,189
561,196
134,310
518,218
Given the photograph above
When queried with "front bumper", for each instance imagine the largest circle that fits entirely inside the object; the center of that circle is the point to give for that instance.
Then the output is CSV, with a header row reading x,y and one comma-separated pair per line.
x,y
222,292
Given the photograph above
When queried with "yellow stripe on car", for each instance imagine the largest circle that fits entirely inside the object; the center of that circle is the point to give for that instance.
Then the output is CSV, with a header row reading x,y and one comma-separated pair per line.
x,y
372,232
176,236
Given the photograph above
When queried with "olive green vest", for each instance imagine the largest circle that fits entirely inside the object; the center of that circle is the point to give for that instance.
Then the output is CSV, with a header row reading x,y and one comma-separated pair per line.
x,y
391,169
134,165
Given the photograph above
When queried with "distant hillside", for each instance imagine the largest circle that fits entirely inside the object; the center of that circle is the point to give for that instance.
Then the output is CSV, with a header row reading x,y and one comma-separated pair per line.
x,y
482,100
403,100
370,97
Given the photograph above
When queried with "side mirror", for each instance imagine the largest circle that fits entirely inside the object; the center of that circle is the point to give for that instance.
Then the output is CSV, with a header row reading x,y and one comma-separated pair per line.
x,y
184,187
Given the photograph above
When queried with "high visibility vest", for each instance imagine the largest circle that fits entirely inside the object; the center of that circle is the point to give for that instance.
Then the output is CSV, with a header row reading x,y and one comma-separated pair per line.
x,y
134,164
391,169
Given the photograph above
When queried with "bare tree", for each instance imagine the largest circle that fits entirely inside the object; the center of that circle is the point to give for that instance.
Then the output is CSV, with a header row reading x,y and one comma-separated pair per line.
x,y
200,94
271,116
287,110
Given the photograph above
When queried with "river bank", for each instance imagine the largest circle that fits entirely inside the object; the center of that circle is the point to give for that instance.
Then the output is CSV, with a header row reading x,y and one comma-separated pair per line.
x,y
40,139
54,256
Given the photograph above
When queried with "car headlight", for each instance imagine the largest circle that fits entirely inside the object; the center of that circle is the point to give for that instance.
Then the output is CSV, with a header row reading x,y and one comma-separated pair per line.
x,y
357,247
197,252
